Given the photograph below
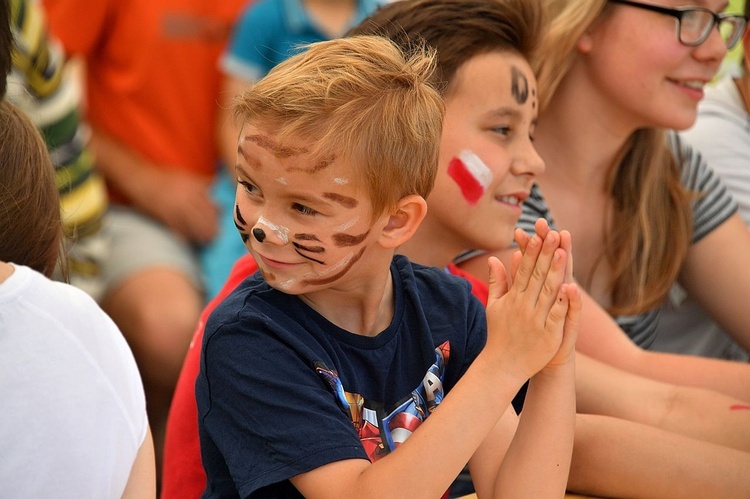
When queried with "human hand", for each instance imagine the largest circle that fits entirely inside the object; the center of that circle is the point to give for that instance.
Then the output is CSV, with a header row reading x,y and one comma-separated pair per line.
x,y
572,321
566,352
542,229
526,323
181,201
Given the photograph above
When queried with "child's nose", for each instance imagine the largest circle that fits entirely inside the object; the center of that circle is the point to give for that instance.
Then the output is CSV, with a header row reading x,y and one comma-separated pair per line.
x,y
264,231
528,161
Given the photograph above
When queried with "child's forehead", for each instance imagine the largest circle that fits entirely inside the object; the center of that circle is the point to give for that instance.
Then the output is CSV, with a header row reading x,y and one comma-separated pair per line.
x,y
267,139
492,84
298,159
490,65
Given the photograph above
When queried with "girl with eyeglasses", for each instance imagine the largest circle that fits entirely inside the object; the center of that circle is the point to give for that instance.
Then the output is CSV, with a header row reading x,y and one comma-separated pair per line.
x,y
644,209
722,135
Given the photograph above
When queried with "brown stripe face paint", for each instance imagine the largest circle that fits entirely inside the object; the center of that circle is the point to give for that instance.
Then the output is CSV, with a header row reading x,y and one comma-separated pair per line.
x,y
278,150
335,277
345,201
346,240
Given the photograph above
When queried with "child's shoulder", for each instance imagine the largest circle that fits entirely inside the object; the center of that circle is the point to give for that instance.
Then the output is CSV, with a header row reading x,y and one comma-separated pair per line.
x,y
251,288
435,281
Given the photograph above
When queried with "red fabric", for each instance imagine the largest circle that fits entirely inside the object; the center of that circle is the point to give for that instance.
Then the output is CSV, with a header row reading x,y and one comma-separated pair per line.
x,y
182,473
478,288
183,476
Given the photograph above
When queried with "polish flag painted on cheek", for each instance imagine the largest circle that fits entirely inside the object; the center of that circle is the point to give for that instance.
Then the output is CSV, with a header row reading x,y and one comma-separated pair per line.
x,y
471,175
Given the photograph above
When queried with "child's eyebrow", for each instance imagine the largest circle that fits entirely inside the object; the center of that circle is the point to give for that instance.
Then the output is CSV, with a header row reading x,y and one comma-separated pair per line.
x,y
503,112
345,201
320,165
277,149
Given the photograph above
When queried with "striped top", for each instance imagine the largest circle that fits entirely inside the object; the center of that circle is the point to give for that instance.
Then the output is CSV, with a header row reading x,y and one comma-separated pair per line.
x,y
710,208
45,89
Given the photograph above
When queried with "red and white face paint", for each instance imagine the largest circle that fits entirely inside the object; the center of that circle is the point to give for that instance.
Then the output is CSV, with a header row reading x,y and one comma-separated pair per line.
x,y
471,175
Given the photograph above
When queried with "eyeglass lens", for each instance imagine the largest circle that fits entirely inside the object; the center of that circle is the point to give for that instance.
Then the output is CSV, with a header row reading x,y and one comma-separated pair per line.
x,y
696,26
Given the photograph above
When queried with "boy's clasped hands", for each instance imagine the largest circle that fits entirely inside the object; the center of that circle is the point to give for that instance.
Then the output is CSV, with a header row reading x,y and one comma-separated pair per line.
x,y
533,313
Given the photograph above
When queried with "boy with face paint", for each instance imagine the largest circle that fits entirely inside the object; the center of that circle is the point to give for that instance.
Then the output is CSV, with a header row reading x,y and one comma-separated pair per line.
x,y
342,369
485,149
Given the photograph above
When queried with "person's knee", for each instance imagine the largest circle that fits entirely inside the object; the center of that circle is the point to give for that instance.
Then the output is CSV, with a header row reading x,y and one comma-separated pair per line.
x,y
157,313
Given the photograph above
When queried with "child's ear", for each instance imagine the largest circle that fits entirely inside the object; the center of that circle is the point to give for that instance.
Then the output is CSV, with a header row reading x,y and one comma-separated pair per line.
x,y
403,221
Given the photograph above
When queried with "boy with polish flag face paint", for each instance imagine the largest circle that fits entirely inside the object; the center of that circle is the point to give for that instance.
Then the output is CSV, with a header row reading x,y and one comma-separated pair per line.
x,y
486,168
471,175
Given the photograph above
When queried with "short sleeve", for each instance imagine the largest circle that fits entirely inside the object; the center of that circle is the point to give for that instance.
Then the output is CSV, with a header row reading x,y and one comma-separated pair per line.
x,y
712,204
264,411
251,52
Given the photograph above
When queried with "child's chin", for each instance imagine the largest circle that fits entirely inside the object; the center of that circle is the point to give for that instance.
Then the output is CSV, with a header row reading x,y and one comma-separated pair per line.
x,y
500,240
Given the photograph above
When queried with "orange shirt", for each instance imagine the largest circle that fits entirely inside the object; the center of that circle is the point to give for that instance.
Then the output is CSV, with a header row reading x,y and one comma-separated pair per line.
x,y
151,71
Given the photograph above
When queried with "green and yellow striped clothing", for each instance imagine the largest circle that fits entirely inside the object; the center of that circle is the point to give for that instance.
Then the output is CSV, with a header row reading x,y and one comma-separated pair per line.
x,y
44,86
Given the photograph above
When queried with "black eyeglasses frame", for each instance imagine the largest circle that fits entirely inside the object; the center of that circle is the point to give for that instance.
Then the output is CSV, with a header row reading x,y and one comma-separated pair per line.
x,y
679,12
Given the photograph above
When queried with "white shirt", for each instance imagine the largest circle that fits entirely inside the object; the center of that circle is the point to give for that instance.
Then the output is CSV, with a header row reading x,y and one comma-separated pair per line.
x,y
73,408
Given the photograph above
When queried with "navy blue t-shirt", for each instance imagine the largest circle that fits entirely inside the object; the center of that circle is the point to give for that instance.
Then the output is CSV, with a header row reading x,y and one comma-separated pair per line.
x,y
282,391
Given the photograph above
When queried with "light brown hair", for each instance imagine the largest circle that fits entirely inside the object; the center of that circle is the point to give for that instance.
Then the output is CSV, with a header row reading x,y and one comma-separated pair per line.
x,y
30,220
364,99
650,226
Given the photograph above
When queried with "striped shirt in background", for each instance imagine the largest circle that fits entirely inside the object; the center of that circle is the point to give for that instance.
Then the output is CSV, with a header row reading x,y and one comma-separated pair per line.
x,y
44,86
711,207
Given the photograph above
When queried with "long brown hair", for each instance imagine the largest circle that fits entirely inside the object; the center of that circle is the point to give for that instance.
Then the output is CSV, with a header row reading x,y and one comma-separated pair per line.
x,y
30,222
650,224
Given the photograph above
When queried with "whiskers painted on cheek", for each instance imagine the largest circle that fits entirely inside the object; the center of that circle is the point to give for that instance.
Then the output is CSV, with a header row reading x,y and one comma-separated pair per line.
x,y
307,257
347,263
240,224
346,240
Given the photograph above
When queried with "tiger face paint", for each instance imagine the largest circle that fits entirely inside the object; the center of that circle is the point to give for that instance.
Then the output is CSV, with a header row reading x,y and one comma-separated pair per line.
x,y
307,232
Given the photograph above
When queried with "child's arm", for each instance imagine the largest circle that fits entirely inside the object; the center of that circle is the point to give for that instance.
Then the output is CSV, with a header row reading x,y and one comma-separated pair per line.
x,y
546,430
686,410
525,331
